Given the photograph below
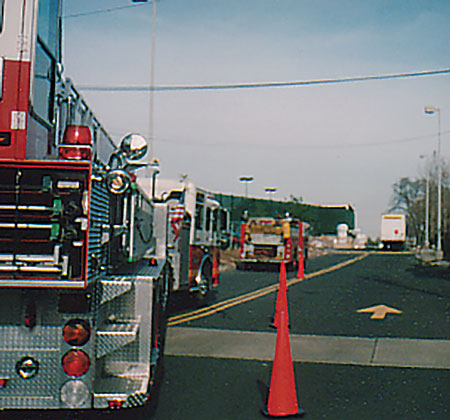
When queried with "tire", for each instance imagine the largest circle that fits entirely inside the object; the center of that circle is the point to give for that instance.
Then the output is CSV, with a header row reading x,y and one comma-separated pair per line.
x,y
161,294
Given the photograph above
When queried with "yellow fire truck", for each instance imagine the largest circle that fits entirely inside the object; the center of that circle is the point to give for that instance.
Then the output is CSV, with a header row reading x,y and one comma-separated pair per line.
x,y
268,240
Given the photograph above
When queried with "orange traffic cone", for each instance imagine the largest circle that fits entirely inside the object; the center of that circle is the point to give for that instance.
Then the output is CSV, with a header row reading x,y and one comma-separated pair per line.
x,y
215,271
282,399
301,266
281,297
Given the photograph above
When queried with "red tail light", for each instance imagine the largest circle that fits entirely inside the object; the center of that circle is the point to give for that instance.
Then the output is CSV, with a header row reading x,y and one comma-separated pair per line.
x,y
115,403
288,249
75,152
76,332
75,363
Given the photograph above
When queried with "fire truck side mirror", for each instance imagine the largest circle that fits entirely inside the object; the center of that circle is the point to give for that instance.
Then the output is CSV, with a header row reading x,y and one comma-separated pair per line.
x,y
118,181
134,146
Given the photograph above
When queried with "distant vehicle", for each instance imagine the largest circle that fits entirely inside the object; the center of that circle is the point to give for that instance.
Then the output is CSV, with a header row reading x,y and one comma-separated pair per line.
x,y
360,241
393,231
266,240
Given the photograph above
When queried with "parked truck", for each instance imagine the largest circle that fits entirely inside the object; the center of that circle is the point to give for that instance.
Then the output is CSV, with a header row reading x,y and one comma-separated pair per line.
x,y
84,269
393,231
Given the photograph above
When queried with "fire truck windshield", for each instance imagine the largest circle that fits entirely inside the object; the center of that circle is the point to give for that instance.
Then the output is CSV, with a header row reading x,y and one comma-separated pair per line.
x,y
48,32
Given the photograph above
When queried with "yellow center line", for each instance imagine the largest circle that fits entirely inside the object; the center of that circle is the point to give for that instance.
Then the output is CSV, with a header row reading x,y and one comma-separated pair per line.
x,y
221,306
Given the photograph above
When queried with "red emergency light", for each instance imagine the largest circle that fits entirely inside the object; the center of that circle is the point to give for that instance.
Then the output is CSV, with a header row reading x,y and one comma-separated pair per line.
x,y
76,143
77,134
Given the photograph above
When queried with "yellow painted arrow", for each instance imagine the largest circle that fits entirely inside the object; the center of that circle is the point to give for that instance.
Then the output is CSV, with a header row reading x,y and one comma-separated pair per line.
x,y
379,311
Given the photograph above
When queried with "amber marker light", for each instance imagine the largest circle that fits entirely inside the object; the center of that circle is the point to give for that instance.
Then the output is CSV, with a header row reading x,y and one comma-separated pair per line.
x,y
76,332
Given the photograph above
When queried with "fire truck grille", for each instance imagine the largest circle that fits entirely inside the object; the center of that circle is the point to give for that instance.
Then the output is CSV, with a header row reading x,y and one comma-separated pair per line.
x,y
265,251
41,222
99,231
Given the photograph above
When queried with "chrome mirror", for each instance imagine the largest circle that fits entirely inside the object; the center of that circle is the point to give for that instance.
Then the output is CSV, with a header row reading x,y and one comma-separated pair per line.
x,y
134,146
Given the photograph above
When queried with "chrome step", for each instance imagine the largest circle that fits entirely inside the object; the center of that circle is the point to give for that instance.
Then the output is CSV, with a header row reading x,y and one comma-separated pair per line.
x,y
133,391
116,335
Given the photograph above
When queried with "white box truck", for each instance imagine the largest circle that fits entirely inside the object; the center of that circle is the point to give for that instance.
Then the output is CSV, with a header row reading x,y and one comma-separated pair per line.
x,y
393,231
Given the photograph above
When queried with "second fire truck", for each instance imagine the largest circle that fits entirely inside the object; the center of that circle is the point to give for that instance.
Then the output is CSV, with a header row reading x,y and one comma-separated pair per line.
x,y
268,240
198,228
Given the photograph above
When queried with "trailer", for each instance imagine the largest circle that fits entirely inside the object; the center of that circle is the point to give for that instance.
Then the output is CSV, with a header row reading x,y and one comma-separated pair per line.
x,y
84,271
393,231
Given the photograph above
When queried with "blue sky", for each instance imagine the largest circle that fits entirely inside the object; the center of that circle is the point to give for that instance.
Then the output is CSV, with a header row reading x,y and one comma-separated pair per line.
x,y
328,144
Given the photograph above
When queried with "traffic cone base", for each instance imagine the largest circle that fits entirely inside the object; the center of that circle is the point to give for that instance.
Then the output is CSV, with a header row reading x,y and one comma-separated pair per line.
x,y
288,416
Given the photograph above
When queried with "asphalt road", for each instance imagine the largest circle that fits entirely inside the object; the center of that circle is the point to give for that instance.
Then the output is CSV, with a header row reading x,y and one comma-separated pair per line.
x,y
346,364
198,384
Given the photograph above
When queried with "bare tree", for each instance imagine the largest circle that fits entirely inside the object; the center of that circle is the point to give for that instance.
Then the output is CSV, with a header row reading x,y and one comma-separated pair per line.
x,y
409,196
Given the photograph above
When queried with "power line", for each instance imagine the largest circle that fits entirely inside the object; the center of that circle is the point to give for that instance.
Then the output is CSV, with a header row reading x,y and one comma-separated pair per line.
x,y
101,11
295,146
371,144
264,84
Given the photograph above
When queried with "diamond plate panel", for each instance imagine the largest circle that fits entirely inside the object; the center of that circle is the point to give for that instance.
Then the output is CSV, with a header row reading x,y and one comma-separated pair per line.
x,y
41,391
113,287
40,337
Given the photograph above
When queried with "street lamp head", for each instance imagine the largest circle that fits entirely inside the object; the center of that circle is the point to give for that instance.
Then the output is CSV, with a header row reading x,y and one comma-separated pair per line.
x,y
431,109
246,179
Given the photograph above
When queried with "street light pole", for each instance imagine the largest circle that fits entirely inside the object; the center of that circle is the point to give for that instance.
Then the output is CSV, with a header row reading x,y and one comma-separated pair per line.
x,y
152,75
271,191
427,207
432,110
246,180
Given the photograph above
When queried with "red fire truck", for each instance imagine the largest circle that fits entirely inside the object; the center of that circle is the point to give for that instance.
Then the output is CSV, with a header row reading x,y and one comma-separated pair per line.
x,y
198,228
84,274
268,240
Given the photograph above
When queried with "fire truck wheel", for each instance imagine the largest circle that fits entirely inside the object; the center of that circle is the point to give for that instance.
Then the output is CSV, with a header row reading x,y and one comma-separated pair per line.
x,y
241,266
205,285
